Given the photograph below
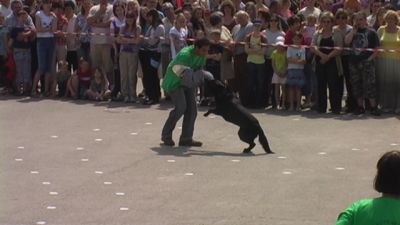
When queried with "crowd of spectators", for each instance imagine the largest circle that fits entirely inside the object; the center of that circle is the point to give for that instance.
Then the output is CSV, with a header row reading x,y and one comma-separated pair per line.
x,y
284,54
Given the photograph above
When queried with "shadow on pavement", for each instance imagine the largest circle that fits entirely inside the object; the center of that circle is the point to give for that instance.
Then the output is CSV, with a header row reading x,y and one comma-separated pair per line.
x,y
188,152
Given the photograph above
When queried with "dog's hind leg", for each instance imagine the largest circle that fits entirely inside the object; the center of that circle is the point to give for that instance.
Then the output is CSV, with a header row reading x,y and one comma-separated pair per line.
x,y
247,136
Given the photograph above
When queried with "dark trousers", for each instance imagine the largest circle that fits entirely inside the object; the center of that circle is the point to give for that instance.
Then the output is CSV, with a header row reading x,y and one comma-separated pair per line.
x,y
351,102
256,85
151,82
184,100
270,92
239,82
72,59
328,77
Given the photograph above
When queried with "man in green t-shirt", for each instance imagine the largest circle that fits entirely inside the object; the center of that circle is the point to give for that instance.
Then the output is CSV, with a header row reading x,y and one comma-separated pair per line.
x,y
182,77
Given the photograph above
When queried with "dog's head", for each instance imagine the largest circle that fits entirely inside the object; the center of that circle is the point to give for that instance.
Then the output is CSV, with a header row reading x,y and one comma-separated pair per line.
x,y
219,90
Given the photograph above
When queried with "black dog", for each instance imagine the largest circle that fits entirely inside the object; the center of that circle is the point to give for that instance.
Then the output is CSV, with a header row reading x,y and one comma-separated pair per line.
x,y
231,111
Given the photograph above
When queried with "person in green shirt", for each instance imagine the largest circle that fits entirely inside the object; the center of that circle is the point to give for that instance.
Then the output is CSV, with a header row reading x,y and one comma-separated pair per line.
x,y
184,74
384,210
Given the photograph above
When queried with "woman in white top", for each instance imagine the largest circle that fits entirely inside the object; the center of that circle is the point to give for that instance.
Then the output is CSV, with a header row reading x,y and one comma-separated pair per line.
x,y
46,25
178,34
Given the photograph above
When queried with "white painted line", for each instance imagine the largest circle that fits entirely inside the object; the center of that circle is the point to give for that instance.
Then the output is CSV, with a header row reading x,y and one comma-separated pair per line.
x,y
189,174
98,139
98,172
21,147
84,160
394,144
96,129
54,136
120,193
34,172
281,157
339,168
286,172
80,148
41,222
235,160
53,193
296,119
134,133
46,183
355,149
51,207
19,160
148,123
321,153
171,160
107,182
124,209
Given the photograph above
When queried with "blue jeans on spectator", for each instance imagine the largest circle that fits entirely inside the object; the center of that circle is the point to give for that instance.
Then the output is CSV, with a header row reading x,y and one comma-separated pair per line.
x,y
256,85
45,52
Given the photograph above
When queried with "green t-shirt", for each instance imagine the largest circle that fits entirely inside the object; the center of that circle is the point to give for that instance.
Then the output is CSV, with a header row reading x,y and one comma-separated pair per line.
x,y
186,57
280,61
377,211
255,44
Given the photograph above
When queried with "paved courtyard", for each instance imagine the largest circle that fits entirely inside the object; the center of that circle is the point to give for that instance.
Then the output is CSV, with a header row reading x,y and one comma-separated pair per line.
x,y
86,163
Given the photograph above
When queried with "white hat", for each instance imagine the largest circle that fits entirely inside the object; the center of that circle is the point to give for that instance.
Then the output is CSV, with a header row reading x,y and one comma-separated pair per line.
x,y
280,41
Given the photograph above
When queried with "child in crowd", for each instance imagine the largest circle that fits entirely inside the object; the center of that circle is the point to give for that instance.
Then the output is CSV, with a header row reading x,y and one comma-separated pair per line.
x,y
294,23
62,76
309,28
256,67
21,37
178,34
296,56
280,66
80,81
213,63
3,49
98,89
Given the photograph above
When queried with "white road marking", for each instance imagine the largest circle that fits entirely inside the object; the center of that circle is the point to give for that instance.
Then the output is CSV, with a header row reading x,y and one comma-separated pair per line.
x,y
355,149
54,136
51,207
19,160
321,153
53,193
41,222
134,133
34,172
148,123
235,160
98,172
20,147
96,129
124,209
189,174
84,160
394,144
339,168
98,139
171,160
281,157
80,148
46,183
286,172
107,182
120,193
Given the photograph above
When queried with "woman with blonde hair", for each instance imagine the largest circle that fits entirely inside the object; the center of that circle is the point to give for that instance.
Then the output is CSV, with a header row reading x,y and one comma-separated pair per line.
x,y
388,65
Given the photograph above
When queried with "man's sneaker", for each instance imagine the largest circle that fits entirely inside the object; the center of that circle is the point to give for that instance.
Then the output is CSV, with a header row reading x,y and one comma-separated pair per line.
x,y
168,142
359,111
375,111
190,143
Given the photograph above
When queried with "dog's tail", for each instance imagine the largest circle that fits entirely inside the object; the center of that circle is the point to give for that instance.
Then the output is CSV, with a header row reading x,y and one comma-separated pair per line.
x,y
263,141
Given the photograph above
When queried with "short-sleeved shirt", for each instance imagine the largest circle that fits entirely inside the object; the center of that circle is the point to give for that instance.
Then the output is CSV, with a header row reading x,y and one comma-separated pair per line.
x,y
382,211
186,57
11,21
19,43
46,21
363,38
132,48
272,39
239,33
101,39
255,43
299,53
